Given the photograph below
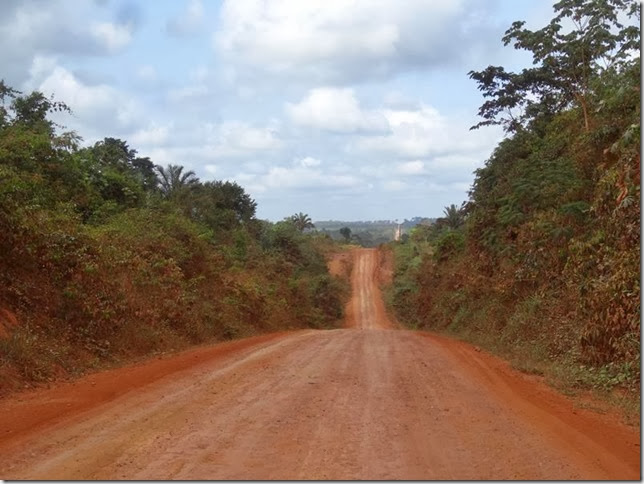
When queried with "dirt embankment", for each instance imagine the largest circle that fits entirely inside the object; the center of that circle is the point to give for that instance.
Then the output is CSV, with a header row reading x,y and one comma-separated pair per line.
x,y
340,264
366,402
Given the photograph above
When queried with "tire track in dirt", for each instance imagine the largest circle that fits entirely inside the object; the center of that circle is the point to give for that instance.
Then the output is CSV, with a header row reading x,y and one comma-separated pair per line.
x,y
367,303
366,402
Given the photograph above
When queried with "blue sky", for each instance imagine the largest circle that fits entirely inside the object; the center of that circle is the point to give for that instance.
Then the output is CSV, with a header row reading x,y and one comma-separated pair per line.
x,y
340,109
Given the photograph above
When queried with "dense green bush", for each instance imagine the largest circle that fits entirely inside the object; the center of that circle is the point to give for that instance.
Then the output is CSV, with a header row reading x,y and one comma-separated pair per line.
x,y
546,267
102,260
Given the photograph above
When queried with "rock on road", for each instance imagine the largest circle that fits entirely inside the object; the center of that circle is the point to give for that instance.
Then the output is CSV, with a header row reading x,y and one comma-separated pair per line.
x,y
366,402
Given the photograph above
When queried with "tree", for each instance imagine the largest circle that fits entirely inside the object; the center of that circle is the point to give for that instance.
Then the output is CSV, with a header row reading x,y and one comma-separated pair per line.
x,y
454,217
115,171
5,92
566,63
28,139
144,171
302,221
32,110
346,233
221,205
230,196
115,154
284,237
173,180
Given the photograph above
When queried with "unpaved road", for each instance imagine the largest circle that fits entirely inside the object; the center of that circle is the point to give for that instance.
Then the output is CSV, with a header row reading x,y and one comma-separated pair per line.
x,y
367,402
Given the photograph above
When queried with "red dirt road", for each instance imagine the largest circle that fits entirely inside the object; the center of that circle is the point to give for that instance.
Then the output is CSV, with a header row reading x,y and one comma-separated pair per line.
x,y
366,402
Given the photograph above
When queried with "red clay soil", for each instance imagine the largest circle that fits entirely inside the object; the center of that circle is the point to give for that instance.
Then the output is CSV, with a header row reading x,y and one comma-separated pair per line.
x,y
366,402
339,264
366,309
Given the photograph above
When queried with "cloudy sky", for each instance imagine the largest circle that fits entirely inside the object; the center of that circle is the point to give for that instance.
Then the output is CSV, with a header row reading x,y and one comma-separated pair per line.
x,y
340,109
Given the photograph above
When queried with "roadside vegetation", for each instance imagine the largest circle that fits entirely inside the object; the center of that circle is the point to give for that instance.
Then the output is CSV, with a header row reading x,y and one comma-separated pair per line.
x,y
105,256
542,263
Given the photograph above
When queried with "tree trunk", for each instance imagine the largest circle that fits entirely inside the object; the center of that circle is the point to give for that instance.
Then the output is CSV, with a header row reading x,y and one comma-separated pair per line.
x,y
584,108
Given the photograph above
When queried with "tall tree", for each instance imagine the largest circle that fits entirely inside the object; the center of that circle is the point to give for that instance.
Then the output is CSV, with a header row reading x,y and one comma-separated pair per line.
x,y
302,221
584,39
29,138
232,197
346,233
221,205
115,153
6,93
173,179
32,111
454,217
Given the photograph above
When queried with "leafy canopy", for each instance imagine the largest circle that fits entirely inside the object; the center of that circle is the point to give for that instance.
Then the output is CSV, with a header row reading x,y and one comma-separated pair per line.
x,y
585,39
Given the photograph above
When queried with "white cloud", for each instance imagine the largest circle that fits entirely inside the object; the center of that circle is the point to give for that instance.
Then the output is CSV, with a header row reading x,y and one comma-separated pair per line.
x,y
114,37
193,92
305,177
394,185
424,133
98,110
303,174
197,92
327,57
152,135
199,73
308,162
339,41
147,73
414,134
398,100
190,21
335,110
101,104
233,137
56,28
411,168
161,156
462,162
210,148
459,186
41,67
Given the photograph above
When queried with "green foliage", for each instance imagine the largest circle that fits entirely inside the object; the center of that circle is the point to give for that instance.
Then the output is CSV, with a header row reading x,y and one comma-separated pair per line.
x,y
545,268
222,206
301,221
105,257
567,62
449,243
346,233
114,155
31,111
454,217
174,182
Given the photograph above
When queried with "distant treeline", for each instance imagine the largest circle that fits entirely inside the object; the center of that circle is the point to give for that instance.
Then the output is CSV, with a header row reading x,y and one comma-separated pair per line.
x,y
368,233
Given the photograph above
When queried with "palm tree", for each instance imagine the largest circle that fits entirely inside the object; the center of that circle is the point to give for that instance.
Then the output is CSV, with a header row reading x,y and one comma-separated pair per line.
x,y
454,216
172,179
302,221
